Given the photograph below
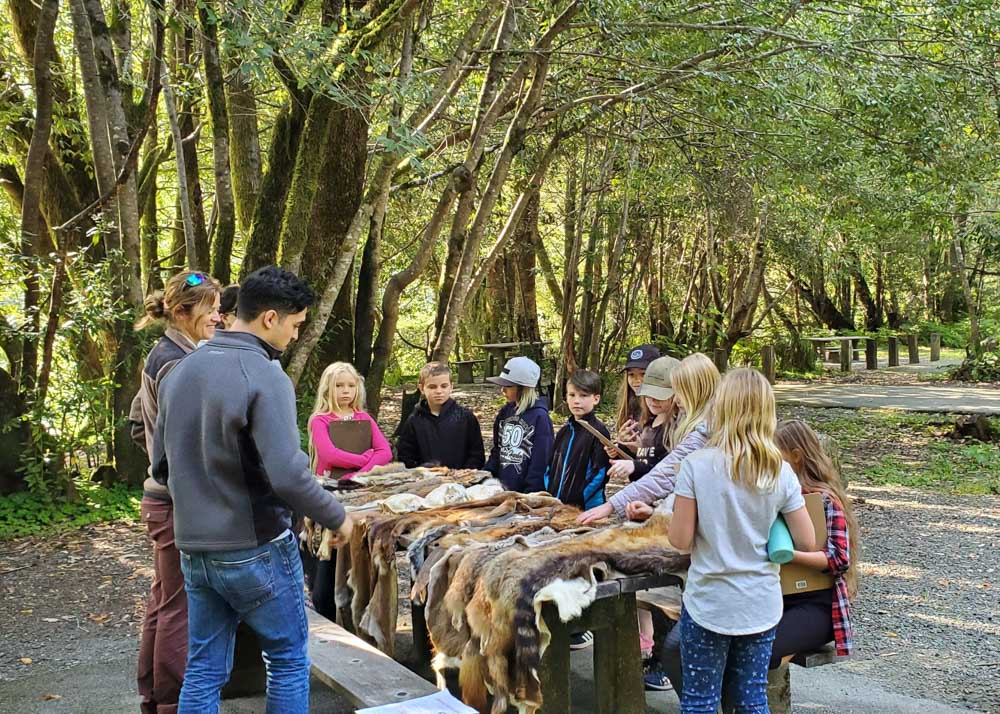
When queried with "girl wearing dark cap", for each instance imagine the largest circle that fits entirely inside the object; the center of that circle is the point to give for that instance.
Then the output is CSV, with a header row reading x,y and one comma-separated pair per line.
x,y
631,414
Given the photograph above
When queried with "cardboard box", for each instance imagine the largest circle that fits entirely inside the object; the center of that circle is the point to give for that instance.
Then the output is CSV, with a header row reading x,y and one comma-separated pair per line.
x,y
796,578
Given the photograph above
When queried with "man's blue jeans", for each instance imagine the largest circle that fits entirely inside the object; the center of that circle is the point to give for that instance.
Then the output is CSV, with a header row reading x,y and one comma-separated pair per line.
x,y
707,657
262,587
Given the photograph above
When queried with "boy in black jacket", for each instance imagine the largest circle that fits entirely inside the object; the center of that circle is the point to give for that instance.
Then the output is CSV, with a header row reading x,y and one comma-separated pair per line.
x,y
578,469
440,432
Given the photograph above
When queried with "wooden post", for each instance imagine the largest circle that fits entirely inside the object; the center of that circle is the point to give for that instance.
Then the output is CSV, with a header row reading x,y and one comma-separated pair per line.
x,y
845,355
911,344
893,352
767,362
721,358
871,353
935,347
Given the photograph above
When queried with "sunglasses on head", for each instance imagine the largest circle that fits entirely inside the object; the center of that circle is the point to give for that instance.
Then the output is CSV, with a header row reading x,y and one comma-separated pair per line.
x,y
194,279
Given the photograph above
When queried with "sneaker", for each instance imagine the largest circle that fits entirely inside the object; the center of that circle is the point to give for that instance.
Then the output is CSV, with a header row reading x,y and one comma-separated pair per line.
x,y
656,680
581,640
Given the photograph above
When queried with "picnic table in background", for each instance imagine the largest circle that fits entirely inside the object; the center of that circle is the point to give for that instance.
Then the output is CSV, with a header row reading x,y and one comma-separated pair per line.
x,y
847,347
497,352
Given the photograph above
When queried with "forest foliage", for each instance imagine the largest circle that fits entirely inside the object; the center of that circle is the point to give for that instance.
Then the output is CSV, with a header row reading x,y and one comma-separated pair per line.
x,y
591,173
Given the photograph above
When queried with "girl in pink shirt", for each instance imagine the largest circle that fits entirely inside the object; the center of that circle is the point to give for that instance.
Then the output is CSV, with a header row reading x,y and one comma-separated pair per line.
x,y
341,397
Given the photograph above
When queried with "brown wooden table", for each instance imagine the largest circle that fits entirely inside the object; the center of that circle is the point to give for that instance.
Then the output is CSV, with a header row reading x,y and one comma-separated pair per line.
x,y
847,346
497,352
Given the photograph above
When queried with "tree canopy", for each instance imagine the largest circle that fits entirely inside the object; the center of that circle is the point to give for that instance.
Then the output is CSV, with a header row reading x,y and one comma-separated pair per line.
x,y
591,173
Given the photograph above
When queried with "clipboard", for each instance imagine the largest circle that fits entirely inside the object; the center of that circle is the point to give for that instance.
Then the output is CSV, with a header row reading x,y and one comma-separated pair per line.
x,y
352,435
603,439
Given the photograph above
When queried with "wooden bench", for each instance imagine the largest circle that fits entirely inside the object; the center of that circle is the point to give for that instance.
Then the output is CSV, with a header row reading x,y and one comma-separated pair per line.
x,y
466,367
357,670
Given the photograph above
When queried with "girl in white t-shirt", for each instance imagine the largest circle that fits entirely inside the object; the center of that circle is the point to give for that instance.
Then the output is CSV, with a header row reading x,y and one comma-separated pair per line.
x,y
727,497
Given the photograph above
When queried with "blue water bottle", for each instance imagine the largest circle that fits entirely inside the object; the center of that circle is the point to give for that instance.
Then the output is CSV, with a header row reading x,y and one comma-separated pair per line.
x,y
780,548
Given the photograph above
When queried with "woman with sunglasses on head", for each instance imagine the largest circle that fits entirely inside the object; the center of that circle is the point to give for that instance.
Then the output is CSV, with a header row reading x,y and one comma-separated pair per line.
x,y
189,308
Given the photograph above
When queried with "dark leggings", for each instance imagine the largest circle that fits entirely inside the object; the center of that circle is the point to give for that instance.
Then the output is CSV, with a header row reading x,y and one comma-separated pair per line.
x,y
319,575
806,624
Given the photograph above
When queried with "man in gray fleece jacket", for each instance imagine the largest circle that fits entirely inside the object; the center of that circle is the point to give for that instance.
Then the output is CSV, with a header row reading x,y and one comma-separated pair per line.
x,y
227,448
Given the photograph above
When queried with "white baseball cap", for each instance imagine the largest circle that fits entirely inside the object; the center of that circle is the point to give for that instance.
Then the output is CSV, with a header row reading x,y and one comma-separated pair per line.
x,y
518,372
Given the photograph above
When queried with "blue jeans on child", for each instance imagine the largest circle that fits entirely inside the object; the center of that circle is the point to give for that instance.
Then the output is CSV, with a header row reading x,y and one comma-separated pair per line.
x,y
263,587
707,657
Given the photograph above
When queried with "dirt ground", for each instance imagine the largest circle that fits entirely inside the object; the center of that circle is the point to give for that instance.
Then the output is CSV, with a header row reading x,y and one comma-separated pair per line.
x,y
927,618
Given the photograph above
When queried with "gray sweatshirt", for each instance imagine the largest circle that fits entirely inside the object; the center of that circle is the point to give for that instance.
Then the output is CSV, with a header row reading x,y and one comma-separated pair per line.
x,y
227,447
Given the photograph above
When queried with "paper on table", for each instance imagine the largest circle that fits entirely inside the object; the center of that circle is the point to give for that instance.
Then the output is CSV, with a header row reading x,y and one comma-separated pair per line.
x,y
440,703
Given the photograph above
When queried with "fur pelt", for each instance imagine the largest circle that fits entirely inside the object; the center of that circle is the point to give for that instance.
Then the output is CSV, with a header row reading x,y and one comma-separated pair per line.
x,y
376,536
495,595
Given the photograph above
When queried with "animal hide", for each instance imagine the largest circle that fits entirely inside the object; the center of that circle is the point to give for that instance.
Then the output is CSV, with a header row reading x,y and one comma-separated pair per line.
x,y
376,536
483,571
493,600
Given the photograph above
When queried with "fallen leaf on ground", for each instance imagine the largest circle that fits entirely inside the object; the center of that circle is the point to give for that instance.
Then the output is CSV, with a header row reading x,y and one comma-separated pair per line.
x,y
99,619
891,634
25,660
51,697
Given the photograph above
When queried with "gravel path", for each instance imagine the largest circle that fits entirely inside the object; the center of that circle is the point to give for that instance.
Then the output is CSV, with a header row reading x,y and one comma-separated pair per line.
x,y
911,398
928,612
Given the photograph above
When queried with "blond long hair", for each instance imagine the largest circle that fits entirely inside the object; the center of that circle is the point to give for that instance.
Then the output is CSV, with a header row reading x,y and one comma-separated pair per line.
x,y
694,380
526,398
817,474
326,399
743,424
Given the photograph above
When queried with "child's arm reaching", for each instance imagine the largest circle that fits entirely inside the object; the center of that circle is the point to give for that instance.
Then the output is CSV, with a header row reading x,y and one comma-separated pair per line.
x,y
662,478
329,455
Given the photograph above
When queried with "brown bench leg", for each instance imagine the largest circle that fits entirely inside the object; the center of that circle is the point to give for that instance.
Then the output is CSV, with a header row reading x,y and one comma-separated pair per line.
x,y
779,690
248,676
554,674
617,660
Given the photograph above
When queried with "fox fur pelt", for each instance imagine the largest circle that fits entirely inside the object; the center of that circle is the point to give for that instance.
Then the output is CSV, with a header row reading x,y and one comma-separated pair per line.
x,y
372,580
491,622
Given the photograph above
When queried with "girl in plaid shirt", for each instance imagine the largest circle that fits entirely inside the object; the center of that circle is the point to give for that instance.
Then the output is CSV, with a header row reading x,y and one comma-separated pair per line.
x,y
813,619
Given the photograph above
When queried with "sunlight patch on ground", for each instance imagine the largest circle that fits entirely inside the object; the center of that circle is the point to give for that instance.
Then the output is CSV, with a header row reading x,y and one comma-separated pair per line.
x,y
892,570
984,627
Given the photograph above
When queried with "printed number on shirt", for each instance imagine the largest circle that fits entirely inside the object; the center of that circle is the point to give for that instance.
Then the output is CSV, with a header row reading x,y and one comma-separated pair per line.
x,y
516,437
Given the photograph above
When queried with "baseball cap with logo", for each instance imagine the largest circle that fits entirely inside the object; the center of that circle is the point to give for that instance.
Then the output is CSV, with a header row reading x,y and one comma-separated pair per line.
x,y
640,357
656,383
518,372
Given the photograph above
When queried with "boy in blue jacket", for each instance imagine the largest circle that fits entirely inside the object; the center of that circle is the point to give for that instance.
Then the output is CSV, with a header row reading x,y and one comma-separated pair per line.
x,y
578,469
522,431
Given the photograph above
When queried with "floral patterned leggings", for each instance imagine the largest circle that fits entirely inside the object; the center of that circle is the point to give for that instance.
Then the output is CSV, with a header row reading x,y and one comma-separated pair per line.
x,y
708,656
